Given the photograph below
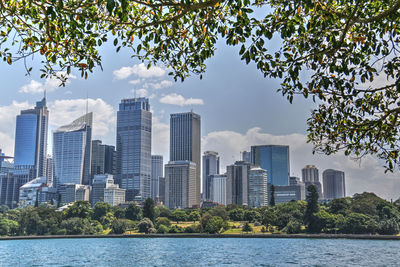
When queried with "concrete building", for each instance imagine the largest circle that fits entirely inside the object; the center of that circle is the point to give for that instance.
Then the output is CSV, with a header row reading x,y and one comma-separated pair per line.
x,y
29,192
210,167
100,182
103,158
185,143
246,156
8,183
72,152
134,148
275,160
73,192
289,193
258,189
161,190
334,184
180,185
310,175
49,171
218,182
114,195
237,179
157,171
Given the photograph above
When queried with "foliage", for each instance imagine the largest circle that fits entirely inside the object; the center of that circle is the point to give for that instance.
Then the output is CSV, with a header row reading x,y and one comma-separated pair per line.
x,y
119,212
119,226
162,229
100,210
164,211
81,226
8,227
163,221
252,215
133,212
388,227
146,226
312,207
80,209
213,224
292,227
194,216
356,223
148,209
340,206
179,215
236,215
107,219
247,228
219,211
192,229
269,217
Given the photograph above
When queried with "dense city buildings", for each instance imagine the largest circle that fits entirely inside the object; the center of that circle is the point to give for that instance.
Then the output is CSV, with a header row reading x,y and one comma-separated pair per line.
x,y
185,143
161,190
246,156
133,143
310,175
103,158
287,193
157,168
72,151
218,188
257,188
69,193
99,183
114,195
180,185
49,171
237,183
334,184
275,160
210,167
8,183
29,192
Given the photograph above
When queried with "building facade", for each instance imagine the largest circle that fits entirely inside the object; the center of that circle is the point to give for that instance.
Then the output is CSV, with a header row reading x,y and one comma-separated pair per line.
x,y
100,182
157,171
185,143
289,193
8,183
334,184
73,192
258,189
218,182
180,185
49,171
133,171
237,180
275,160
210,167
72,152
310,175
161,190
114,195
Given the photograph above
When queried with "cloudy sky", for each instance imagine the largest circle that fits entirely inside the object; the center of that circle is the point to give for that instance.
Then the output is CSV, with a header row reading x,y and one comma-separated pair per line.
x,y
239,108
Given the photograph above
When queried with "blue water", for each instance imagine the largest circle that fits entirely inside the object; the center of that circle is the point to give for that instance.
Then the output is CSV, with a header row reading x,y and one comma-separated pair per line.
x,y
199,252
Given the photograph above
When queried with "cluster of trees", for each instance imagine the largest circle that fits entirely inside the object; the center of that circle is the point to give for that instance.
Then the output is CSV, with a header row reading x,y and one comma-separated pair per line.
x,y
363,213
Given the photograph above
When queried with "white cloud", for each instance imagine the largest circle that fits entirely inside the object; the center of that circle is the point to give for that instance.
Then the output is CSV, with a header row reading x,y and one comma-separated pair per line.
x,y
159,85
65,111
137,81
139,70
179,100
160,138
367,175
50,84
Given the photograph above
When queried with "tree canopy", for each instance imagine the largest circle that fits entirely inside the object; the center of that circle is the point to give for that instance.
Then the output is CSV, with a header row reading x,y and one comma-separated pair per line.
x,y
343,54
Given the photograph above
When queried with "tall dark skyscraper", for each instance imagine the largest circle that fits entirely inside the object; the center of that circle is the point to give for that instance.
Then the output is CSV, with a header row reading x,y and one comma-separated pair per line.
x,y
185,142
237,182
134,148
334,184
103,158
310,175
275,160
30,151
210,167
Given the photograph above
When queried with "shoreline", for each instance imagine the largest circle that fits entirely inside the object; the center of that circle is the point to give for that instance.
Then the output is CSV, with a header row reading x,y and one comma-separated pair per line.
x,y
304,236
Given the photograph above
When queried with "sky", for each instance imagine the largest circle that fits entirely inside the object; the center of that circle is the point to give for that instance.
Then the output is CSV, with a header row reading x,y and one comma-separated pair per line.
x,y
238,107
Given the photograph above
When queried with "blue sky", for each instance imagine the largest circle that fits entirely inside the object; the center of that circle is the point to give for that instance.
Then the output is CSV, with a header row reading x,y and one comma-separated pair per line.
x,y
239,108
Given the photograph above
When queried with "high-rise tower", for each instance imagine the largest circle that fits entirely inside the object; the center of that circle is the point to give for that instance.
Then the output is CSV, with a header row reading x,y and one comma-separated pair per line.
x,y
134,148
185,142
210,167
72,152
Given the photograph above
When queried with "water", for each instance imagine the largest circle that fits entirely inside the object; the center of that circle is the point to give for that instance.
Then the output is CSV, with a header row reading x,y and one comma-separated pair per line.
x,y
199,252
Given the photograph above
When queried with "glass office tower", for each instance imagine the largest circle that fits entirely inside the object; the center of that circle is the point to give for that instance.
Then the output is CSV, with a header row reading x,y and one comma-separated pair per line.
x,y
72,151
134,148
275,160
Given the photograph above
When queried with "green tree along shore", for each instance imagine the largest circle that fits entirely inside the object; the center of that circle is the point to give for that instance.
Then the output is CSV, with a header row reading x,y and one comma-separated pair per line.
x,y
363,213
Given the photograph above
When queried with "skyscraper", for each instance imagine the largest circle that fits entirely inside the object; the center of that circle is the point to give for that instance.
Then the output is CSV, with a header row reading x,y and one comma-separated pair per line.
x,y
103,158
310,175
157,166
237,180
180,185
185,142
31,140
134,148
210,167
49,171
334,184
258,190
275,160
72,151
246,156
218,188
9,189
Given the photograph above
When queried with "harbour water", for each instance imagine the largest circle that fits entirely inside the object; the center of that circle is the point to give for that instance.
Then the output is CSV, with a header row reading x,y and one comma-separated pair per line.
x,y
199,252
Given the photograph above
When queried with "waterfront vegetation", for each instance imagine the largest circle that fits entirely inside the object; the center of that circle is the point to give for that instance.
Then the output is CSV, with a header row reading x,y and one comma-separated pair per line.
x,y
363,213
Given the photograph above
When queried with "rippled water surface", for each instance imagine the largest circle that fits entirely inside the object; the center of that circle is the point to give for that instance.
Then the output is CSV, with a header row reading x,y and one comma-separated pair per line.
x,y
199,252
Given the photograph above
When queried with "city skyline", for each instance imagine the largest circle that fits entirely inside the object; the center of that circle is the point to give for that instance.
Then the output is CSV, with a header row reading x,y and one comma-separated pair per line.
x,y
235,128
